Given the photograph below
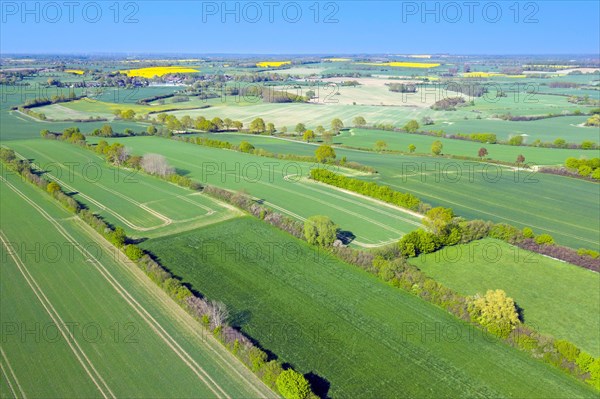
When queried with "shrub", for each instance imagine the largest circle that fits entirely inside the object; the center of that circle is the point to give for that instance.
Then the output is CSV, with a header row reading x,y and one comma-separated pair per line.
x,y
544,239
584,361
270,373
292,385
257,358
52,187
567,350
527,232
133,252
246,146
506,232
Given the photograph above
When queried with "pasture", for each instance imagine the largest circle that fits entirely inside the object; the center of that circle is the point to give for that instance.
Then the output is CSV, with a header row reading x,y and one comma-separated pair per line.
x,y
96,324
357,335
568,310
143,205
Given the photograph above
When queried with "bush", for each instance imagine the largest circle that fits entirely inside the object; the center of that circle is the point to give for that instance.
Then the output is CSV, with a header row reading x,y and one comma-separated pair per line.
x,y
528,233
52,187
544,239
246,146
292,385
506,232
270,373
567,350
133,252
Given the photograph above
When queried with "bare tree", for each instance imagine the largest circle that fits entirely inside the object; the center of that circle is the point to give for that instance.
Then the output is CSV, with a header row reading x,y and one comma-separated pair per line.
x,y
156,164
218,313
123,155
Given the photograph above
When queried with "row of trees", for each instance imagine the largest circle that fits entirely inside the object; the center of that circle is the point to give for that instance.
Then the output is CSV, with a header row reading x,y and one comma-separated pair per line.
x,y
371,189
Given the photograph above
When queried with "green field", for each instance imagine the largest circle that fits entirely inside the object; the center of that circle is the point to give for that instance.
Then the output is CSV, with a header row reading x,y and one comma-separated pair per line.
x,y
79,321
557,298
283,186
144,206
473,190
398,141
363,337
547,130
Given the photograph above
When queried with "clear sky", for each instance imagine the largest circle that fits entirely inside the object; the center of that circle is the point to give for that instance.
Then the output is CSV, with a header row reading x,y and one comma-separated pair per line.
x,y
301,27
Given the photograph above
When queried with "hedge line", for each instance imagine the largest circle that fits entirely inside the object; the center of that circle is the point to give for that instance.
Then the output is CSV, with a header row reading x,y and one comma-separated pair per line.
x,y
371,189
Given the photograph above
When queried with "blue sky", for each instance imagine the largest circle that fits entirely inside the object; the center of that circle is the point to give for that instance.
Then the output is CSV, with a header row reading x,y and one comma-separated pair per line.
x,y
286,27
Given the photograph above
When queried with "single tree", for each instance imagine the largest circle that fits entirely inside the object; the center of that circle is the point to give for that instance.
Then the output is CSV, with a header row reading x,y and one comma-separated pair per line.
x,y
320,230
327,137
257,125
380,145
320,130
292,385
412,126
482,152
308,135
237,125
520,159
271,128
106,131
437,220
324,153
436,147
151,130
359,121
336,125
411,148
300,128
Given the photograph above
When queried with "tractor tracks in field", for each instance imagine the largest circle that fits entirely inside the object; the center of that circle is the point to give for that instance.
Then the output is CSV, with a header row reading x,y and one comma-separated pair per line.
x,y
58,321
6,363
134,304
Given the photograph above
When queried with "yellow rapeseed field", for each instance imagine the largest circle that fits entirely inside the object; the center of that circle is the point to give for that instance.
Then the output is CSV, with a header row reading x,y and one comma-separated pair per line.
x,y
150,72
74,71
272,64
403,64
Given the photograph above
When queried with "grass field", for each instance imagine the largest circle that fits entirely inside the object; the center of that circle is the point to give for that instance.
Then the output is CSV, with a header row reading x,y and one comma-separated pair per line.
x,y
361,337
473,190
283,186
97,326
144,206
558,298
